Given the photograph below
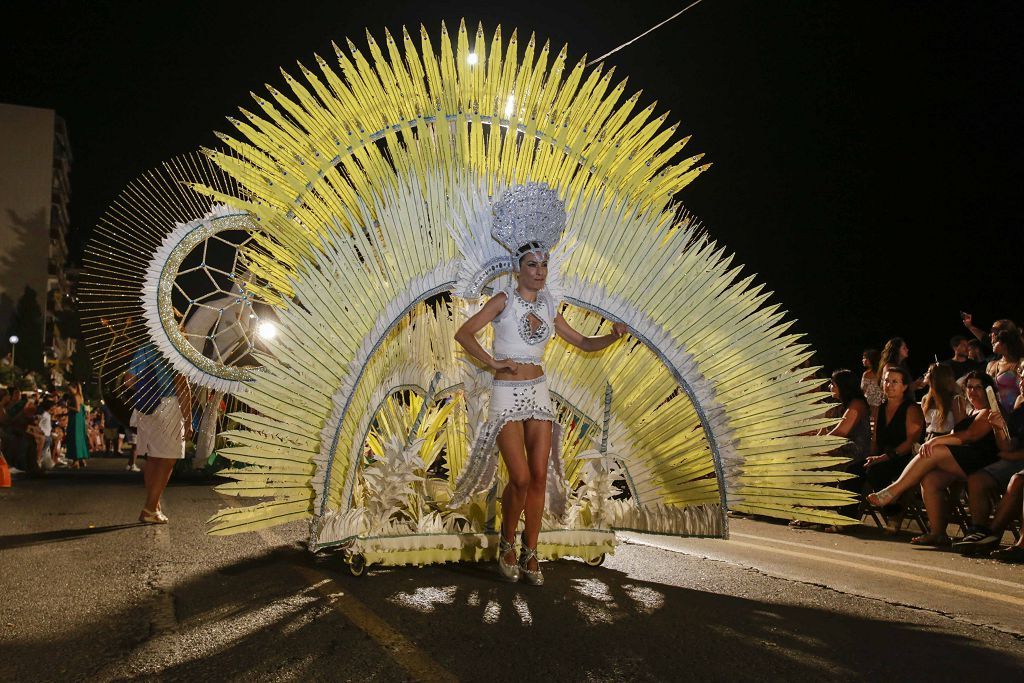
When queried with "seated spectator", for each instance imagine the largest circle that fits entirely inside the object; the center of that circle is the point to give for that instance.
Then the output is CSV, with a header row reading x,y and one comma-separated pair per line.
x,y
870,382
970,447
899,427
1005,369
987,483
961,362
1009,509
855,426
944,405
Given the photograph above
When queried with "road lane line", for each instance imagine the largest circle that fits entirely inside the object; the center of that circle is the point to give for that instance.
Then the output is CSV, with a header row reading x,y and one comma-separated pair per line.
x,y
916,578
417,663
915,565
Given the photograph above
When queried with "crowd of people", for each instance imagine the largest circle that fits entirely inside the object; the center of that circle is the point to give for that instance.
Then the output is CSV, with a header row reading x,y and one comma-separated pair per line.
x,y
42,430
958,428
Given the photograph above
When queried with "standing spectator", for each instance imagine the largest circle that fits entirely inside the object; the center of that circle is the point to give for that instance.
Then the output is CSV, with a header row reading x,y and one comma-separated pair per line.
x,y
899,427
59,414
975,352
11,440
164,422
43,430
23,451
997,327
870,381
77,444
943,405
970,447
895,353
1006,367
113,432
961,362
130,440
95,431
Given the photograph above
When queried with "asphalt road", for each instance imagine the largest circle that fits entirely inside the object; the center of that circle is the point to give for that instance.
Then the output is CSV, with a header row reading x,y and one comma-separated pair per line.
x,y
88,594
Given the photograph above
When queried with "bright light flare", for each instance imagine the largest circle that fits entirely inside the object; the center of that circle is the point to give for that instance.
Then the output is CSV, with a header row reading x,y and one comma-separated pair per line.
x,y
266,330
471,58
510,105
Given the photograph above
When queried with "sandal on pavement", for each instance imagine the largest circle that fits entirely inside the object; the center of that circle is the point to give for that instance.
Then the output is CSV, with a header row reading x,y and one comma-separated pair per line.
x,y
934,540
800,524
148,517
1014,554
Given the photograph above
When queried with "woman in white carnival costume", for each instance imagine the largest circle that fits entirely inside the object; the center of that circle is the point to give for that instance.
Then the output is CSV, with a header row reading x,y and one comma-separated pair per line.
x,y
528,221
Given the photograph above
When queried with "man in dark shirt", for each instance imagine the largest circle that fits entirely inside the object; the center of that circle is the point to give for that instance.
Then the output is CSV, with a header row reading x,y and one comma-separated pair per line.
x,y
961,363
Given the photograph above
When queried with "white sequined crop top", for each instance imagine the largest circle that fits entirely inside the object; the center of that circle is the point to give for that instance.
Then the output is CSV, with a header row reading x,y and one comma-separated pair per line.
x,y
514,337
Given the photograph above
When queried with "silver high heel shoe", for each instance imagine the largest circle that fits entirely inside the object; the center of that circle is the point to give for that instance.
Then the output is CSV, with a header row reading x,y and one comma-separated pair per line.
x,y
533,577
509,572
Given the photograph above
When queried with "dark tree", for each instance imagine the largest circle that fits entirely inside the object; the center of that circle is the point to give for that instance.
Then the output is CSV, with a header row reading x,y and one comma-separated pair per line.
x,y
27,324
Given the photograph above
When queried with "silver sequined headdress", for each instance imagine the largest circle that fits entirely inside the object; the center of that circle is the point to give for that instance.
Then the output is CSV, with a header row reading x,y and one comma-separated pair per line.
x,y
528,217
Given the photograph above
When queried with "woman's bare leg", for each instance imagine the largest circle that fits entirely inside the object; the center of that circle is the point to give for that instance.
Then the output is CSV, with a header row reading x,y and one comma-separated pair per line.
x,y
158,473
933,492
538,450
1009,507
940,459
513,497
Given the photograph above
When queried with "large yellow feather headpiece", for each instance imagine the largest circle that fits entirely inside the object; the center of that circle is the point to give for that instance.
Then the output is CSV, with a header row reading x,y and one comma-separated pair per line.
x,y
371,187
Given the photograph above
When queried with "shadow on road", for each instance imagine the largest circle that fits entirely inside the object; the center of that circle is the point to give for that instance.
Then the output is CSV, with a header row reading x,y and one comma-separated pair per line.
x,y
58,535
259,617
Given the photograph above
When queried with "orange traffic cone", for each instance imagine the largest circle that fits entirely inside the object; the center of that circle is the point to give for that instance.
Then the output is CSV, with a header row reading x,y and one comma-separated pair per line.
x,y
5,474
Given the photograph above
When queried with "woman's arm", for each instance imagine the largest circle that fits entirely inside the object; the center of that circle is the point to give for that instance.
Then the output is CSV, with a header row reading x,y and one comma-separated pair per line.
x,y
566,332
998,424
850,418
976,431
466,334
959,409
915,426
969,324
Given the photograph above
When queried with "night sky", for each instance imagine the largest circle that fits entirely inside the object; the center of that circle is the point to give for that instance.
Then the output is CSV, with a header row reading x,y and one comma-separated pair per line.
x,y
866,154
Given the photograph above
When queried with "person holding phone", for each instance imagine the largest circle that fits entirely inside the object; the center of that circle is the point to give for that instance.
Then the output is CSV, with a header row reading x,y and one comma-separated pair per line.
x,y
997,327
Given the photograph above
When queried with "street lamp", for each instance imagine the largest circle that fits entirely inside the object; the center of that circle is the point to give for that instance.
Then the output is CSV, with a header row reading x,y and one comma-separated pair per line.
x,y
14,345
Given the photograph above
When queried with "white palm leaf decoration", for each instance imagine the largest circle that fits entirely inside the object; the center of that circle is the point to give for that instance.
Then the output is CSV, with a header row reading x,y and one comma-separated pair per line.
x,y
370,189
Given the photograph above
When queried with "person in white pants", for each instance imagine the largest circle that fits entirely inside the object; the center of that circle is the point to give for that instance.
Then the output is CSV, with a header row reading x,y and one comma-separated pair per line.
x,y
164,405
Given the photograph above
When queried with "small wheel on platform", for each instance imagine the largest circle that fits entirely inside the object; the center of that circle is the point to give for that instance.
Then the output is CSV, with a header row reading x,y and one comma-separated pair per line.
x,y
597,561
356,565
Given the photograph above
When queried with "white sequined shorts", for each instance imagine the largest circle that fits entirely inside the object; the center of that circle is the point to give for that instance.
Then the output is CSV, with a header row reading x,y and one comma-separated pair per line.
x,y
520,400
511,401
